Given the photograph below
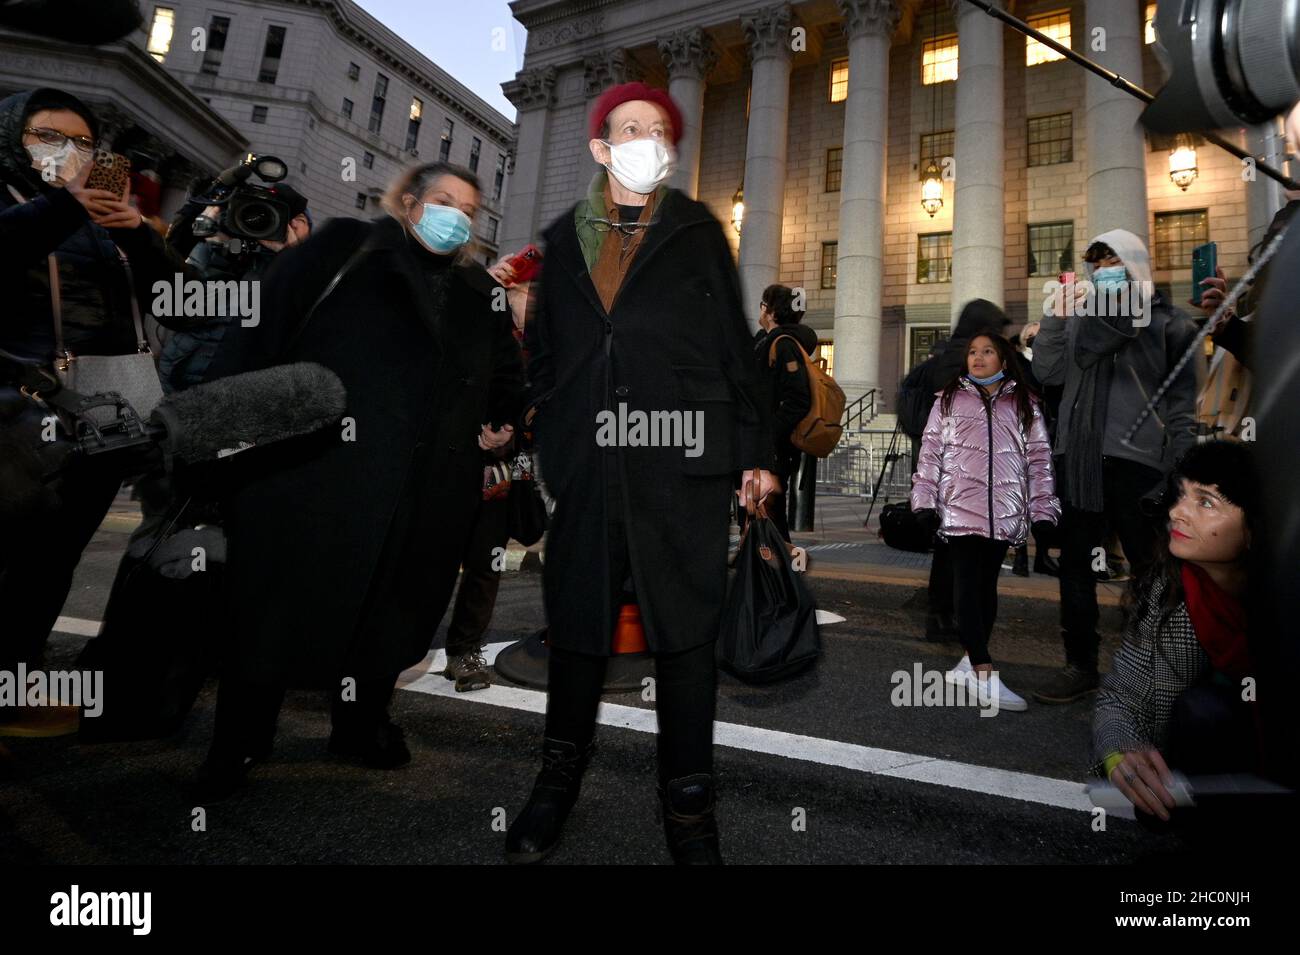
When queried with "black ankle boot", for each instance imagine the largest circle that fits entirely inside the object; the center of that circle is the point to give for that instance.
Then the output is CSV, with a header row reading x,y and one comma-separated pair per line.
x,y
536,830
689,826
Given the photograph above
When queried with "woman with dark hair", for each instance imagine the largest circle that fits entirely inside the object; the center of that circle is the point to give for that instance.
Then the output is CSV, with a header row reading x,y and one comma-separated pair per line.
x,y
983,477
75,264
344,547
1176,695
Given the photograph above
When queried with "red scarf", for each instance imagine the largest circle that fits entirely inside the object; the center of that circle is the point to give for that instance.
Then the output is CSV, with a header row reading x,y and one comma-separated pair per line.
x,y
1219,620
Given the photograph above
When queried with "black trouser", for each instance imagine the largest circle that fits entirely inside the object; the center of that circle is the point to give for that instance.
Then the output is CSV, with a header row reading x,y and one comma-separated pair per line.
x,y
479,579
976,563
37,564
941,599
686,686
1123,484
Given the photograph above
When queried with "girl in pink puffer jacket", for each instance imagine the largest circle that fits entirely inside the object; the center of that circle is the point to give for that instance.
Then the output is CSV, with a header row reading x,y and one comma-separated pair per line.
x,y
983,478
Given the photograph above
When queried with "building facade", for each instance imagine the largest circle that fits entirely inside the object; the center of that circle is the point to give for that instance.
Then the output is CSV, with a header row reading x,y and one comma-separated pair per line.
x,y
343,100
823,118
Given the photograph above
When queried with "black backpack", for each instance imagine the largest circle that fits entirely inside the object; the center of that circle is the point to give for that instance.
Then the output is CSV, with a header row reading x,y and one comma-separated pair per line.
x,y
914,401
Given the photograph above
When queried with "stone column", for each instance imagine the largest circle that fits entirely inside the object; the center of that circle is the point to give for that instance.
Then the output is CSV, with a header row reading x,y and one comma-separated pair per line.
x,y
533,93
601,71
768,33
1117,146
978,204
869,24
689,55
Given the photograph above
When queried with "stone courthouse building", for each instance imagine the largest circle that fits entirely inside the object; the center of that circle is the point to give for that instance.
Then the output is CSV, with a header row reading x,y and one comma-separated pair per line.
x,y
823,117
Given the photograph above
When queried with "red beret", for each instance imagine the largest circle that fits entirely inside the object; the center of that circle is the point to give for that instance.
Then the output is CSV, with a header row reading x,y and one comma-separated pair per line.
x,y
626,93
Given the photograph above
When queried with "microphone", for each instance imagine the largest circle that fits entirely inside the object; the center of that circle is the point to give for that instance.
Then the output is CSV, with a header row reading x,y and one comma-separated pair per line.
x,y
223,417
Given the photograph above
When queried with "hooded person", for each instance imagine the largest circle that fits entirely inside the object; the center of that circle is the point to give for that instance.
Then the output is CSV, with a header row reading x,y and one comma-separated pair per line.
x,y
1114,345
51,225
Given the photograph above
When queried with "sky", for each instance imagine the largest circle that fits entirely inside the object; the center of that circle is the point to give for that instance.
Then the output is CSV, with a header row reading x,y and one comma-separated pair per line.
x,y
478,42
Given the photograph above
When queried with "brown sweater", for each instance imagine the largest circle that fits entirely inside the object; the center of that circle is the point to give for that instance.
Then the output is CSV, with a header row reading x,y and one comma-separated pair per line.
x,y
617,251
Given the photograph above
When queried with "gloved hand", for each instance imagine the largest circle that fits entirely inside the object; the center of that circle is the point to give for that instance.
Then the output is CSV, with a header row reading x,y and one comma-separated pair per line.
x,y
928,518
1043,529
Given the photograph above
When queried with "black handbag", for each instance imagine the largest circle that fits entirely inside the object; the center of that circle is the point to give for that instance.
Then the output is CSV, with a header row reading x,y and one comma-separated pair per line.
x,y
526,518
902,529
769,623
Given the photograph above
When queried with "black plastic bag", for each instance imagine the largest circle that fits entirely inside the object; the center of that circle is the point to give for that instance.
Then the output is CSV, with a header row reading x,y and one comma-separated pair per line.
x,y
769,624
526,519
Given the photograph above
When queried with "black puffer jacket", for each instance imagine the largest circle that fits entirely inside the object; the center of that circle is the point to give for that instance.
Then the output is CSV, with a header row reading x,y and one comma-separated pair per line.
x,y
41,219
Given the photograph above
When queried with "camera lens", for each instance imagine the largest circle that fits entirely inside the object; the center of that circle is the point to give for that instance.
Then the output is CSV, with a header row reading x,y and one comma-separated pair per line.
x,y
257,220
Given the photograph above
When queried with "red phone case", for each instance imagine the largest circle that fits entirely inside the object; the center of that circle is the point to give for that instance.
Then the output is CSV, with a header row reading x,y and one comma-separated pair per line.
x,y
527,262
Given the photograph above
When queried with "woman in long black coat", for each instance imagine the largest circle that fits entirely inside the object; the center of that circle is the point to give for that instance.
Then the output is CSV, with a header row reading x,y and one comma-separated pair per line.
x,y
649,521
344,547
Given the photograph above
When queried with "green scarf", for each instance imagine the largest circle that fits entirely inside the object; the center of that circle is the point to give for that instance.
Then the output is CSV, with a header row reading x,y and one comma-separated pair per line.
x,y
593,207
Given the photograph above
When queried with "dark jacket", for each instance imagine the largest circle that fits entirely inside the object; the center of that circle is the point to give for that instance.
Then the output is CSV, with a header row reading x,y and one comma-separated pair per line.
x,y
95,291
343,553
675,341
977,315
785,383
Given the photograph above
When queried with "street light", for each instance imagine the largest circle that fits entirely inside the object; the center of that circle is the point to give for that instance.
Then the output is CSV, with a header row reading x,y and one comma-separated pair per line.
x,y
932,190
738,208
1182,162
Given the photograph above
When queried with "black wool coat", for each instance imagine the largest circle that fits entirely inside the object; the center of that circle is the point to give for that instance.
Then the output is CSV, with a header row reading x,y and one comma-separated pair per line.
x,y
675,340
343,553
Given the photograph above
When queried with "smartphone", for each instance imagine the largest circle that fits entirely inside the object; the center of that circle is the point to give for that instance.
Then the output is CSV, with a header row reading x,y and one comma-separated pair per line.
x,y
111,172
1067,278
1205,265
527,262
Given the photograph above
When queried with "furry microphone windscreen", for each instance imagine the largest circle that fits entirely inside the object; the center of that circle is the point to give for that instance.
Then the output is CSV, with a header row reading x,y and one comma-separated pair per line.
x,y
92,22
222,417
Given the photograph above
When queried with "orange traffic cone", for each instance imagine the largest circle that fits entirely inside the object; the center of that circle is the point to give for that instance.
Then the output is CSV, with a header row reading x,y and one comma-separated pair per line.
x,y
629,635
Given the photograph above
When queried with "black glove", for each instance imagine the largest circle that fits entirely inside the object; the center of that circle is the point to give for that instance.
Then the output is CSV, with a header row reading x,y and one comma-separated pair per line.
x,y
928,519
1043,529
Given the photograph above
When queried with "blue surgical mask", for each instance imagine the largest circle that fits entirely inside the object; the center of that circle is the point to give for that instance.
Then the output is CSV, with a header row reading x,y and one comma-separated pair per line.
x,y
1109,275
989,380
442,229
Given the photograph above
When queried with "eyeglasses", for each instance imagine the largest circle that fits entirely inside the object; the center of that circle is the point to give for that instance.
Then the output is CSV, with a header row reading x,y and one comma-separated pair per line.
x,y
627,228
52,137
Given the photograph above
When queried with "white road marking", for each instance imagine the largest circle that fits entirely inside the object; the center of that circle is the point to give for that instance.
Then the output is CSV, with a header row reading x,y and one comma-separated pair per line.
x,y
1061,793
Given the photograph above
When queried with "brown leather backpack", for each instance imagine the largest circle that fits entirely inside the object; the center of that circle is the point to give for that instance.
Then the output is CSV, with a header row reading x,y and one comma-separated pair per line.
x,y
820,430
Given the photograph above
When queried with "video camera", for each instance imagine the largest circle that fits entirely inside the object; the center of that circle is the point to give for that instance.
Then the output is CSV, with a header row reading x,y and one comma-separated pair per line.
x,y
248,212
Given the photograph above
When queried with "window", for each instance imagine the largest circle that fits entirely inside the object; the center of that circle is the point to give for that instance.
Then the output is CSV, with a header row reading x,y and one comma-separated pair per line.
x,y
1166,142
921,340
413,125
271,55
218,27
368,160
302,168
1057,26
259,114
347,108
826,355
1177,233
377,103
160,32
934,258
354,71
1149,26
493,224
935,147
939,60
361,200
834,168
444,148
499,178
475,147
839,80
1051,139
830,263
1051,248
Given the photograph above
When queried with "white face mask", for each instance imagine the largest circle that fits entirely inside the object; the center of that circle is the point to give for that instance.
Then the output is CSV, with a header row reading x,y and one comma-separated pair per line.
x,y
56,163
641,164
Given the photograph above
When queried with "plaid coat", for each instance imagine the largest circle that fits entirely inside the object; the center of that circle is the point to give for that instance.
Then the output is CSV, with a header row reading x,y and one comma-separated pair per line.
x,y
1155,664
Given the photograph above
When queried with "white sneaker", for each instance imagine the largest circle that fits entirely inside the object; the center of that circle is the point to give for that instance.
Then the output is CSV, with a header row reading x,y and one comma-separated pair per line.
x,y
992,688
960,672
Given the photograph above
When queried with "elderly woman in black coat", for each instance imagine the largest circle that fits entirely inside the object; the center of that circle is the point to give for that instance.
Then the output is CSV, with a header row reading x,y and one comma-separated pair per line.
x,y
344,548
52,225
645,396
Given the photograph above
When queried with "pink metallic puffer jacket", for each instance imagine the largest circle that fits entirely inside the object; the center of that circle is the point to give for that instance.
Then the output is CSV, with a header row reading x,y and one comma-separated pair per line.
x,y
996,495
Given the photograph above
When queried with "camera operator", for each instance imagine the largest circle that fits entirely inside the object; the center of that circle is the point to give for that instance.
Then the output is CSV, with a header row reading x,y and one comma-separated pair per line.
x,y
102,253
219,256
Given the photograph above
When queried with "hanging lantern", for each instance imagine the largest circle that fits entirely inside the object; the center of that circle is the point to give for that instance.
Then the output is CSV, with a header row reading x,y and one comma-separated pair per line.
x,y
738,208
1182,163
932,190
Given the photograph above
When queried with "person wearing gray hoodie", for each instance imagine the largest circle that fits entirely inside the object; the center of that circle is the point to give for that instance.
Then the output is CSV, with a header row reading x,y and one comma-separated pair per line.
x,y
1110,351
